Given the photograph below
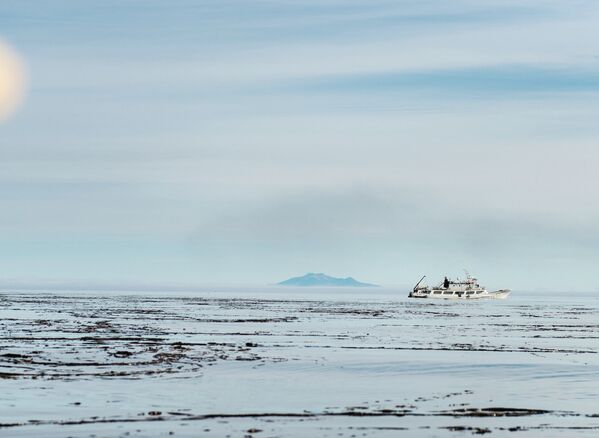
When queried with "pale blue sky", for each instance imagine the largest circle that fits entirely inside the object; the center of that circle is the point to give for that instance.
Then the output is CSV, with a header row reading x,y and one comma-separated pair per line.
x,y
190,142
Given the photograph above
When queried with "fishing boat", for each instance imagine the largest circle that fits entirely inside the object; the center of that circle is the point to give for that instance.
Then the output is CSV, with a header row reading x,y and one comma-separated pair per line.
x,y
468,289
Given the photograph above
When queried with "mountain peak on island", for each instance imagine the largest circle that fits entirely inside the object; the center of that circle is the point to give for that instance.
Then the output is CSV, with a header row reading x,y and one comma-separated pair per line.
x,y
320,279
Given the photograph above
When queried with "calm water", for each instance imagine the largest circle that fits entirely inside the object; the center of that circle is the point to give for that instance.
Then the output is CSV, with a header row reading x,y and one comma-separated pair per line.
x,y
296,362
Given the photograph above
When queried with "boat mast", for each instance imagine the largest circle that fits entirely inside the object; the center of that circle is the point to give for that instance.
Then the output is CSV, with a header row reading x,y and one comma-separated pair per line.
x,y
419,281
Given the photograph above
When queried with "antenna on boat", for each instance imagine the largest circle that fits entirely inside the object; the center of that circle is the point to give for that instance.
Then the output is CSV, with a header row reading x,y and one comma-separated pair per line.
x,y
419,281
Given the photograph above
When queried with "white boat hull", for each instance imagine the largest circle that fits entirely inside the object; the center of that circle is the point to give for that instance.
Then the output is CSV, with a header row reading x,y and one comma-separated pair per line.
x,y
460,295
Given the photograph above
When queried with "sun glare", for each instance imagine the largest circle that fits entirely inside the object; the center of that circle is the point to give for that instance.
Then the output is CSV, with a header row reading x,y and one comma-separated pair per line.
x,y
12,80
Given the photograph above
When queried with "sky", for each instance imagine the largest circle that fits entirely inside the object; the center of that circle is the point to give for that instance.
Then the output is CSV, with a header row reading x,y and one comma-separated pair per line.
x,y
245,142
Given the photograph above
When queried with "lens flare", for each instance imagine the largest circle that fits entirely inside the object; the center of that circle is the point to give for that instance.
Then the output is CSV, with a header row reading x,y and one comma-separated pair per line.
x,y
12,80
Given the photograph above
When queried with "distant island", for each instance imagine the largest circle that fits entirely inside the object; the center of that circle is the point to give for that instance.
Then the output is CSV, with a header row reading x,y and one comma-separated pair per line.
x,y
314,279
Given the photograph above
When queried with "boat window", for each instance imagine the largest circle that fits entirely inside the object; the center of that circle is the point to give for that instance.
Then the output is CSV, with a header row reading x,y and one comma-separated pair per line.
x,y
469,292
437,292
448,292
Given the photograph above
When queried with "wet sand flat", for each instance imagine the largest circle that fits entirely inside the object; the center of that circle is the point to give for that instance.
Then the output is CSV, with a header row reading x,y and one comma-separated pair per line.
x,y
290,362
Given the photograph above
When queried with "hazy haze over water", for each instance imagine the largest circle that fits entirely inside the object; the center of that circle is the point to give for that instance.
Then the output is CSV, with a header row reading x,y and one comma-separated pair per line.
x,y
252,141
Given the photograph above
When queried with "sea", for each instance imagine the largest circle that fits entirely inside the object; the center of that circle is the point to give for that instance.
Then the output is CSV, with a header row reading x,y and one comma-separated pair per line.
x,y
297,362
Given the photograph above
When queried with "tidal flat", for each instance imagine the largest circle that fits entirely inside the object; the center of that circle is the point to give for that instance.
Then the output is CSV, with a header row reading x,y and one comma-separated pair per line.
x,y
278,362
